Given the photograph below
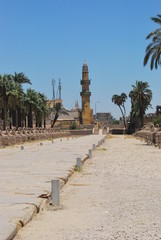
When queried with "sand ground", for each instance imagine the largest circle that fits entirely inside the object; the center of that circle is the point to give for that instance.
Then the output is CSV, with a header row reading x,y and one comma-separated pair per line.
x,y
116,196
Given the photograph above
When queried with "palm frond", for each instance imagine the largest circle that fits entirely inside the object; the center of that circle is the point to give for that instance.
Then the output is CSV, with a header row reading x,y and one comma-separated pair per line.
x,y
151,51
152,61
156,19
21,78
156,32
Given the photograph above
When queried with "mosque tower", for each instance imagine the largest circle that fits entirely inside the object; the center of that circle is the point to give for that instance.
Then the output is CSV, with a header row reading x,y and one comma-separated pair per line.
x,y
85,94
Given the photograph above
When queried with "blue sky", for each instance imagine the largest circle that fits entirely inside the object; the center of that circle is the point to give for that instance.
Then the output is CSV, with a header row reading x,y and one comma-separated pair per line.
x,y
49,39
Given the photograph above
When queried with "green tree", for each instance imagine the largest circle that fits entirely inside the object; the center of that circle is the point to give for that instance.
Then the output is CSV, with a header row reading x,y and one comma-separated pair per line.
x,y
15,102
73,125
157,120
58,109
115,121
30,101
44,108
15,105
36,105
153,50
120,100
6,89
41,110
17,98
141,97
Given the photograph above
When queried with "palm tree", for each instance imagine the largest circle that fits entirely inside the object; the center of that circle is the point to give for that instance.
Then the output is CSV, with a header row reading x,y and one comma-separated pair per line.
x,y
30,100
58,109
43,108
40,109
24,110
15,104
16,99
19,79
153,50
6,89
36,104
141,97
120,100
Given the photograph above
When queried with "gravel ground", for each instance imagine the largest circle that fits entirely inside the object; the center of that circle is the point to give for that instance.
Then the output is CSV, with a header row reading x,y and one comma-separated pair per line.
x,y
116,196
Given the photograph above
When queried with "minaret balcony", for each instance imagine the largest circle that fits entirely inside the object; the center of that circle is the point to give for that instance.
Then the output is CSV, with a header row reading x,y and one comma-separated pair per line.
x,y
85,94
88,82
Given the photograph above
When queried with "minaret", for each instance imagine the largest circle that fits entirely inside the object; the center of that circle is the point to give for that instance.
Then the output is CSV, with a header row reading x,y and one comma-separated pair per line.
x,y
59,89
85,94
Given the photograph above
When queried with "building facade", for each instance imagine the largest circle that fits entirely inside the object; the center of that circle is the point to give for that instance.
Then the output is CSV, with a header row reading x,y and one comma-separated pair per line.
x,y
102,120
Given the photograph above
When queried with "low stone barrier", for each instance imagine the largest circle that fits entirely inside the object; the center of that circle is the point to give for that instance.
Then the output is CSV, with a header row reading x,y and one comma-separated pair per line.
x,y
117,130
158,139
81,132
151,135
11,137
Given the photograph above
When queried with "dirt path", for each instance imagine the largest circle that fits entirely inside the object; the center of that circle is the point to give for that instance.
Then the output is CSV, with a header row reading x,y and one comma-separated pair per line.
x,y
116,196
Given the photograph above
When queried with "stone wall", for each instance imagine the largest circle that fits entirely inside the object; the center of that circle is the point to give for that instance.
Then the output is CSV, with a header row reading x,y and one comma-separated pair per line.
x,y
117,131
151,135
81,132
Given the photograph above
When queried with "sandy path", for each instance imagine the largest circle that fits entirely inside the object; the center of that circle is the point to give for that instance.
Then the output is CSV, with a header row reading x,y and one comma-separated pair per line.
x,y
26,174
116,196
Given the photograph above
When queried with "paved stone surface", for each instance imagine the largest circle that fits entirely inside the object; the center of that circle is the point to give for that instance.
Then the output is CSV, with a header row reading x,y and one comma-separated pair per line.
x,y
27,174
116,196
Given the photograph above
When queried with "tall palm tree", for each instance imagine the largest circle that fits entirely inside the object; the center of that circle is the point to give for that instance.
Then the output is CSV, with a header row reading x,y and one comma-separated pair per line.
x,y
43,108
30,100
15,104
141,97
153,50
58,109
40,109
120,100
19,79
6,89
24,110
37,106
